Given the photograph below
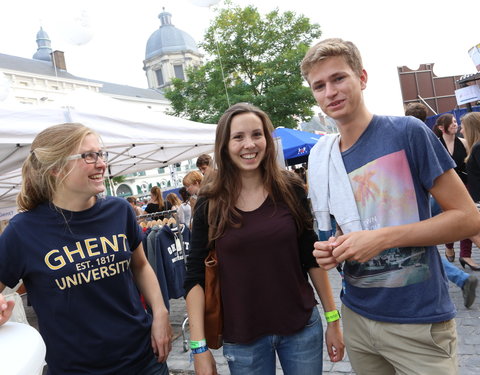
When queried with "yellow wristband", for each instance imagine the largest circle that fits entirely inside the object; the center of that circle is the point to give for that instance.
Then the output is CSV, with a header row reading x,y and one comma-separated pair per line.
x,y
332,316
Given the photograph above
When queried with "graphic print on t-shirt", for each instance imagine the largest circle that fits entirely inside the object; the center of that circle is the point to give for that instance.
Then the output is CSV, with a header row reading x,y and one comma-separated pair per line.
x,y
89,260
393,204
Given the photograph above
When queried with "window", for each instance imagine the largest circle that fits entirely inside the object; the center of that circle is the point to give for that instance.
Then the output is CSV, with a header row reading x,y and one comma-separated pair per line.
x,y
179,72
159,75
124,191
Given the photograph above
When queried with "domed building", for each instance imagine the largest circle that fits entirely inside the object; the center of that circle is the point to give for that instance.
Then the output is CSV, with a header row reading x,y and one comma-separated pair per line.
x,y
169,52
44,44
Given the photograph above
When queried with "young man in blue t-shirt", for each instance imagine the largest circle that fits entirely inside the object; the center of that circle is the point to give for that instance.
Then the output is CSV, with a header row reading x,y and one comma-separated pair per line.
x,y
398,317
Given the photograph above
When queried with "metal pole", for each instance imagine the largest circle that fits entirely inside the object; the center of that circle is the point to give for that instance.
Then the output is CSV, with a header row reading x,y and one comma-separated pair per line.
x,y
424,102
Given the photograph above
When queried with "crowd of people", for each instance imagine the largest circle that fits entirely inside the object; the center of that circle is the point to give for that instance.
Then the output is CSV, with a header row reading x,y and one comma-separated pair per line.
x,y
379,180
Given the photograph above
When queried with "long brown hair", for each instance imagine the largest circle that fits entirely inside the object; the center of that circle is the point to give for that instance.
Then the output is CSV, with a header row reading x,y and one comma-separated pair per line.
x,y
156,194
47,160
223,186
471,130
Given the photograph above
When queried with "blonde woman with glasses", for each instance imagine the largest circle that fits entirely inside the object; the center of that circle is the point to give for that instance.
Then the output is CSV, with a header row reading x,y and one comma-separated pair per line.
x,y
82,262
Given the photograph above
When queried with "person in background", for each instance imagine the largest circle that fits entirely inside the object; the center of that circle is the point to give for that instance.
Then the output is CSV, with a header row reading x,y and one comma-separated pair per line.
x,y
395,295
144,204
446,129
417,110
175,204
156,203
301,173
258,218
471,132
468,283
82,262
204,163
133,203
192,182
185,210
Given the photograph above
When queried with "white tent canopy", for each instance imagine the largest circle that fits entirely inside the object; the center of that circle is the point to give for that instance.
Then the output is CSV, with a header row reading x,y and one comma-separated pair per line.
x,y
137,139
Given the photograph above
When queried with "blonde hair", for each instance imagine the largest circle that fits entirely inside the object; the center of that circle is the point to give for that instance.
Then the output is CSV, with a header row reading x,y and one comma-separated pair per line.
x,y
330,48
173,199
471,130
192,178
48,160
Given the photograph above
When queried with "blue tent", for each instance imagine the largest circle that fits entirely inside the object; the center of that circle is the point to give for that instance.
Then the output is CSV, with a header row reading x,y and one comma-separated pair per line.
x,y
296,144
458,113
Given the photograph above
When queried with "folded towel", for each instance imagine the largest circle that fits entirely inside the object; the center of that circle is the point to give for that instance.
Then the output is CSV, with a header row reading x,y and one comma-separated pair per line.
x,y
329,187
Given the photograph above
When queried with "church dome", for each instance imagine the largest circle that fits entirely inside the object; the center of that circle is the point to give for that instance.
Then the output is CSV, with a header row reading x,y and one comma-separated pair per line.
x,y
168,39
44,48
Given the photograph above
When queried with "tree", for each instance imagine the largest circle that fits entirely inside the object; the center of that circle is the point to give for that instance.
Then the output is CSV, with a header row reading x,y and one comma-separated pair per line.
x,y
260,59
115,181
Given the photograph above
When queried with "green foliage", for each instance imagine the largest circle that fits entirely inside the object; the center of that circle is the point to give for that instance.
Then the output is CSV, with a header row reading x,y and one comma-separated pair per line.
x,y
115,181
260,56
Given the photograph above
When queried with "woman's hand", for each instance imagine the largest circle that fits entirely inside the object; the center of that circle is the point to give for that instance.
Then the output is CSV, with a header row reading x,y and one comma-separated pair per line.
x,y
334,341
323,253
204,363
161,336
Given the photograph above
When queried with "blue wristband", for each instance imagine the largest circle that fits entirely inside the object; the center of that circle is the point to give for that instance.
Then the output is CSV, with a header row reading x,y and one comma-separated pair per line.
x,y
199,350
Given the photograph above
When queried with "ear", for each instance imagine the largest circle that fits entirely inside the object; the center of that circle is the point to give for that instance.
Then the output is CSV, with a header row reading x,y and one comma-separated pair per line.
x,y
54,172
363,79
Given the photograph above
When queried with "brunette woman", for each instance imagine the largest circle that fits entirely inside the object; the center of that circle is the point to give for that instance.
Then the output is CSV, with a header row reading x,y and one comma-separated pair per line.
x,y
156,203
446,128
258,218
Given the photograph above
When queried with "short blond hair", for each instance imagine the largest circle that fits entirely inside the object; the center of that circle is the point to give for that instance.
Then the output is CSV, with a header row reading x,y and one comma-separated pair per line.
x,y
330,48
192,178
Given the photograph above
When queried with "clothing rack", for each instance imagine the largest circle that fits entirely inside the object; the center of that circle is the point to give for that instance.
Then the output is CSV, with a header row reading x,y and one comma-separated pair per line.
x,y
173,213
159,213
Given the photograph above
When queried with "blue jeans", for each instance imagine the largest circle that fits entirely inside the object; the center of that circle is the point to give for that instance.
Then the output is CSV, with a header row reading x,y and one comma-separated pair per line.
x,y
454,274
434,207
325,235
299,354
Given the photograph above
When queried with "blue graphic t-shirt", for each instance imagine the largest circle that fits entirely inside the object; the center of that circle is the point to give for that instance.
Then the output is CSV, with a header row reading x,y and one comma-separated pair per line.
x,y
76,268
391,168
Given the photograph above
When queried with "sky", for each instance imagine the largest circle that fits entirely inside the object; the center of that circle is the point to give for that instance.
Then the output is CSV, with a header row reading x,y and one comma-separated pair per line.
x,y
106,39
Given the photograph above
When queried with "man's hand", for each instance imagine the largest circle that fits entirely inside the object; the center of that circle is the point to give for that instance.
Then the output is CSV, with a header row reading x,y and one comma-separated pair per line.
x,y
360,246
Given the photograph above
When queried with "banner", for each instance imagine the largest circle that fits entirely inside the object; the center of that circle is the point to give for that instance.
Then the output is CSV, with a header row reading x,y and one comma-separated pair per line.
x,y
474,53
7,213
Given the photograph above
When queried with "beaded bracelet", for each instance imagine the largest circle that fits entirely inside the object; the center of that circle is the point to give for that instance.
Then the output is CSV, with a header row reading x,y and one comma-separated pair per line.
x,y
332,316
202,349
197,344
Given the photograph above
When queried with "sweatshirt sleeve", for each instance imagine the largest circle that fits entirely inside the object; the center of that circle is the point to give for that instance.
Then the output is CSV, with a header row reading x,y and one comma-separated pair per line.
x,y
198,247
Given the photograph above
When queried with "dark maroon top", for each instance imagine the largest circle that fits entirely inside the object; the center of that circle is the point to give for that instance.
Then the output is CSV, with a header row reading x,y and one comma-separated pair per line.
x,y
262,272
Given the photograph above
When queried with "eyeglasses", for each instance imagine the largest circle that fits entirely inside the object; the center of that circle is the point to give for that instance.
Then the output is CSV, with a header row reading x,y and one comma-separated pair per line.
x,y
90,157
